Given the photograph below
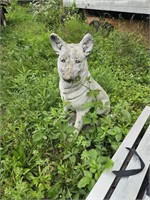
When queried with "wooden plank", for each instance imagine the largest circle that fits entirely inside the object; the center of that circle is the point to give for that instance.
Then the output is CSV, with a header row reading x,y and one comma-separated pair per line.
x,y
101,187
129,187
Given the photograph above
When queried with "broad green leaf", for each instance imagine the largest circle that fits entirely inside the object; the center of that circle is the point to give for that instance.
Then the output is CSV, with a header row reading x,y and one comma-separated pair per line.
x,y
76,196
93,93
67,155
37,136
16,154
126,117
83,182
93,154
118,137
92,183
54,191
86,120
73,159
112,132
87,174
109,163
114,145
69,129
93,170
22,153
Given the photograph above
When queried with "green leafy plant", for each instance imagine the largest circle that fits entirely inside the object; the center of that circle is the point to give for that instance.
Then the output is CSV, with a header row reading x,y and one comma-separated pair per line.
x,y
41,157
48,12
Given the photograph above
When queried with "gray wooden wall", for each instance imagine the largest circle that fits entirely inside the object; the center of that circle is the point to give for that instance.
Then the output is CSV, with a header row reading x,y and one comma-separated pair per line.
x,y
131,6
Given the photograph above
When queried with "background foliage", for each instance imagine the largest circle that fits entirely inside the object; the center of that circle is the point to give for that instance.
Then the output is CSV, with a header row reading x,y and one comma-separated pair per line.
x,y
40,157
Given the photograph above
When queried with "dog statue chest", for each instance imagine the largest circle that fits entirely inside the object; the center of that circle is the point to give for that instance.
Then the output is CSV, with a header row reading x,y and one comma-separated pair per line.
x,y
74,93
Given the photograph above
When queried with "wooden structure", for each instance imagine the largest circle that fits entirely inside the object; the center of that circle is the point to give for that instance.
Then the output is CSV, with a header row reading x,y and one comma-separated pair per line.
x,y
3,11
129,6
111,187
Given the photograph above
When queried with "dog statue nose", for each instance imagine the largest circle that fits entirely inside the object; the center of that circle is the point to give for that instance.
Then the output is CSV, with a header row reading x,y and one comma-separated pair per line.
x,y
67,76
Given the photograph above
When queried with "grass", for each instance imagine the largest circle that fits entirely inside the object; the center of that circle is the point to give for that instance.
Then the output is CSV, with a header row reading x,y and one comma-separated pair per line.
x,y
39,159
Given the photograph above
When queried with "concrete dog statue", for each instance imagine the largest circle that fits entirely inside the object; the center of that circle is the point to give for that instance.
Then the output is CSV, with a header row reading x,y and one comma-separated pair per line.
x,y
75,79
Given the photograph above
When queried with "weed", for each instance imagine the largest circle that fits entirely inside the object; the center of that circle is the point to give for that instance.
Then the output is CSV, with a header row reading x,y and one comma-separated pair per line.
x,y
41,158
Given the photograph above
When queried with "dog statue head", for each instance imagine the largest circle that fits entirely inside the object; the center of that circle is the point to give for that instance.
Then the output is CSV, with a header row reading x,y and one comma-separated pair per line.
x,y
72,60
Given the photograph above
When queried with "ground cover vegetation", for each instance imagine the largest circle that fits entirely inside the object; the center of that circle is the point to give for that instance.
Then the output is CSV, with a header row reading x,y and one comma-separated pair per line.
x,y
40,157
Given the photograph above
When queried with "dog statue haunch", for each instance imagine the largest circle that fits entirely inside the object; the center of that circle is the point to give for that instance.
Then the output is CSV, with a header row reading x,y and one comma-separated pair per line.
x,y
75,79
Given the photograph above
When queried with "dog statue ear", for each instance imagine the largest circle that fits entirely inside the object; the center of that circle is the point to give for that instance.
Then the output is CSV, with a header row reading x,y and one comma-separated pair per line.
x,y
87,44
56,42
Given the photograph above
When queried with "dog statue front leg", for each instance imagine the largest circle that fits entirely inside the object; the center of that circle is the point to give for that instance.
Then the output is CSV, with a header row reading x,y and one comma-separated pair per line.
x,y
79,122
66,108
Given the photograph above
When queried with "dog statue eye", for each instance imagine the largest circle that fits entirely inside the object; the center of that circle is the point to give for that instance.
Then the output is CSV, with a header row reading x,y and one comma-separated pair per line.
x,y
63,60
77,61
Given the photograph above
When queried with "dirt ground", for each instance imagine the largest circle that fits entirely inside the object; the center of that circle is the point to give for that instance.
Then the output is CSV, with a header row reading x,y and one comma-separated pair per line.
x,y
140,27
